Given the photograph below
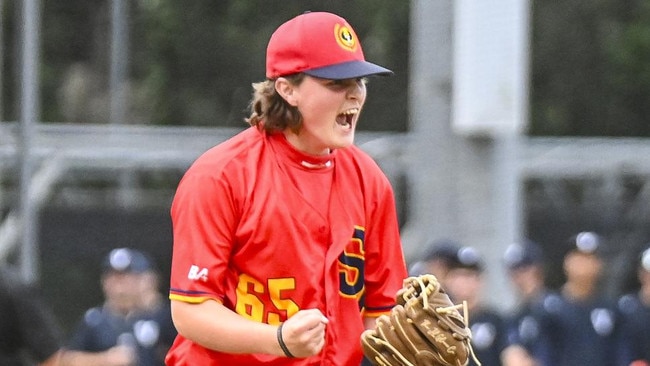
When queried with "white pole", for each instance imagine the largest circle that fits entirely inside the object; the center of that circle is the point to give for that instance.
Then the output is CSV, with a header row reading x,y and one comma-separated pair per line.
x,y
2,53
432,211
119,56
29,105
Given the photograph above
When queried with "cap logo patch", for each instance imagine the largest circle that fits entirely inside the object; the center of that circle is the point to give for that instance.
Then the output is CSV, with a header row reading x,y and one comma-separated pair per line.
x,y
345,37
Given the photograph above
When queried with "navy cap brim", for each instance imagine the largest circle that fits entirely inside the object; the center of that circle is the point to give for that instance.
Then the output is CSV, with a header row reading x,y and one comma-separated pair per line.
x,y
349,70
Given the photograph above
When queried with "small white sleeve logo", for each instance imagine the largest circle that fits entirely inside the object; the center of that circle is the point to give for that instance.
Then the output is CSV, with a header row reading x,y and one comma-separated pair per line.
x,y
197,273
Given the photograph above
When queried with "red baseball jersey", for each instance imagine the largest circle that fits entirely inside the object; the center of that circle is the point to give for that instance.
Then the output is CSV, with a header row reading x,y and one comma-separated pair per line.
x,y
246,235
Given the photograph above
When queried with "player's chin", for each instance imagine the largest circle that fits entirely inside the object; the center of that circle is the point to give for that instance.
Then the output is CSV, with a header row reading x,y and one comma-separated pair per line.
x,y
343,142
343,138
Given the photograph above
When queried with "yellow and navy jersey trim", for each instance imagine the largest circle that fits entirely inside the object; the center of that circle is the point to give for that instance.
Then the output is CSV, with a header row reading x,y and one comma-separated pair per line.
x,y
193,297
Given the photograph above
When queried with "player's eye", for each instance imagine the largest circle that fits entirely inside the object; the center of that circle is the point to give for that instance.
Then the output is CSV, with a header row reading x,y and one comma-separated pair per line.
x,y
336,82
344,83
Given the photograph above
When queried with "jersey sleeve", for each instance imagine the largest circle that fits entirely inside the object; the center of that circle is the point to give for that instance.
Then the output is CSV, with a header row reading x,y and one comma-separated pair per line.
x,y
203,221
385,264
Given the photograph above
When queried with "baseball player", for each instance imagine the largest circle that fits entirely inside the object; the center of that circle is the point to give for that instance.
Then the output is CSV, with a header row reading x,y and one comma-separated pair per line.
x,y
436,259
130,327
286,241
524,263
578,324
465,282
634,344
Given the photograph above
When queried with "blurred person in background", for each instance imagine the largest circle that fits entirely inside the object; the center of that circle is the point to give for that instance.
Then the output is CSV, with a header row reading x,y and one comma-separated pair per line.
x,y
436,259
578,324
155,307
525,267
132,327
29,332
154,316
465,282
635,309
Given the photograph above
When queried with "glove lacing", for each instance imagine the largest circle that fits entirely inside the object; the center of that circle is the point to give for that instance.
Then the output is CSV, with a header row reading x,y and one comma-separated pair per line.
x,y
434,287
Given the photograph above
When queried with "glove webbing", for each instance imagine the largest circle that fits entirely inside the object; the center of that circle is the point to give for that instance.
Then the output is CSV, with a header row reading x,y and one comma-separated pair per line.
x,y
426,291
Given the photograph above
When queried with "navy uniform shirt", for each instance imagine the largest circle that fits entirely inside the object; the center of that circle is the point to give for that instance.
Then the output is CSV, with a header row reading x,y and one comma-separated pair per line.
x,y
150,334
577,333
156,332
634,342
523,325
488,336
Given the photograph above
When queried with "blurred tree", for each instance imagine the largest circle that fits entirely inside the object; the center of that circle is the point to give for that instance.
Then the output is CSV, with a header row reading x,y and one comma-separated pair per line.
x,y
200,58
588,62
75,54
192,63
628,49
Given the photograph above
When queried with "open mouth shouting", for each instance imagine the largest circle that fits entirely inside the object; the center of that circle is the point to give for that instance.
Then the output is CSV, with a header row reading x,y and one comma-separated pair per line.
x,y
346,118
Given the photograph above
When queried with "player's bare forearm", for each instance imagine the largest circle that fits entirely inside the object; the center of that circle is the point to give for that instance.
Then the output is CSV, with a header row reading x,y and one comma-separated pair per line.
x,y
216,327
369,322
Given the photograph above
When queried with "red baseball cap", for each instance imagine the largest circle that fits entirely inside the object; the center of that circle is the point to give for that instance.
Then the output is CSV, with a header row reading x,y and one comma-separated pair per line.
x,y
319,44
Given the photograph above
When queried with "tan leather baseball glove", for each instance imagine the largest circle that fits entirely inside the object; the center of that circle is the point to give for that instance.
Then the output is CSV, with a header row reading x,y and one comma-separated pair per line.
x,y
424,328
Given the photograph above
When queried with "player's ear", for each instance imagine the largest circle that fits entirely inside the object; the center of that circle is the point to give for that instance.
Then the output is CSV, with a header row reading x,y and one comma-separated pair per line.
x,y
286,90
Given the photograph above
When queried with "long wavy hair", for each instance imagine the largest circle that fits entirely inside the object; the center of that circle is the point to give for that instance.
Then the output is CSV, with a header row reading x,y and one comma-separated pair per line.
x,y
269,111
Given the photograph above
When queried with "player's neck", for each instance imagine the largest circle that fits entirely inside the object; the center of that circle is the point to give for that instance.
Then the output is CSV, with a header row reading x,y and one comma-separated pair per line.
x,y
644,295
579,291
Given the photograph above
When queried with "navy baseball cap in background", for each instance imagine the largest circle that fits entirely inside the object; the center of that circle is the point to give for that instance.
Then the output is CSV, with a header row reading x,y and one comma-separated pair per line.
x,y
522,254
126,260
586,242
442,249
468,257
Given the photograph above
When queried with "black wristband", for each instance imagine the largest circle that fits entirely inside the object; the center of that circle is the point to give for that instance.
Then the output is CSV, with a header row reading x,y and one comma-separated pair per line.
x,y
281,342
